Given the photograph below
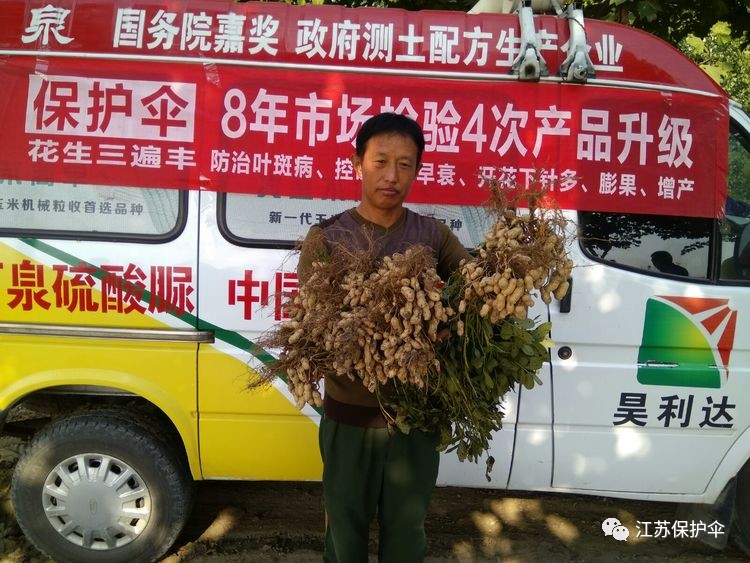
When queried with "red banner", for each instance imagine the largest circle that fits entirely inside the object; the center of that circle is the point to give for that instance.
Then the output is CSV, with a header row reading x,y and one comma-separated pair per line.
x,y
274,33
289,130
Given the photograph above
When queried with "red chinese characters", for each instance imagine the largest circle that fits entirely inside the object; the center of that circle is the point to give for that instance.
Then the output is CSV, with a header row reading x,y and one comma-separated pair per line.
x,y
108,289
253,294
27,286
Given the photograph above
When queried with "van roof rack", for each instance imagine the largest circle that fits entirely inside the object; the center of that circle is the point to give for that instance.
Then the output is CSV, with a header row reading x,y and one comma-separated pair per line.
x,y
530,65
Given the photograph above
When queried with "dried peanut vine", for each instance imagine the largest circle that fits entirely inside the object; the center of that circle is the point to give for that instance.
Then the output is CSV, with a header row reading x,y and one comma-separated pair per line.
x,y
378,320
362,318
494,345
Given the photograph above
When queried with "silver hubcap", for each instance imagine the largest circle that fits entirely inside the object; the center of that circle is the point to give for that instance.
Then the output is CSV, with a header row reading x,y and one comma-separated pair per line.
x,y
96,501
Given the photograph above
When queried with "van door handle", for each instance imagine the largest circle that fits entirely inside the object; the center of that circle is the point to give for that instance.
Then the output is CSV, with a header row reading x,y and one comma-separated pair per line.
x,y
566,300
653,364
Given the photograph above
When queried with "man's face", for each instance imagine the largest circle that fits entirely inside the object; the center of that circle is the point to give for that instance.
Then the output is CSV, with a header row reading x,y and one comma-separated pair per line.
x,y
388,169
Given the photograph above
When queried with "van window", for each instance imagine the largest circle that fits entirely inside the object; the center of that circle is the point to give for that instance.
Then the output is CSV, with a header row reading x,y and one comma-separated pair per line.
x,y
280,222
260,220
735,227
658,244
58,210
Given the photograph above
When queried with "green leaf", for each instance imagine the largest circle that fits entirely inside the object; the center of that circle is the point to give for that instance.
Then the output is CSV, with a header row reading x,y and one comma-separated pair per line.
x,y
696,44
488,383
547,343
543,330
506,331
528,381
536,363
648,10
526,324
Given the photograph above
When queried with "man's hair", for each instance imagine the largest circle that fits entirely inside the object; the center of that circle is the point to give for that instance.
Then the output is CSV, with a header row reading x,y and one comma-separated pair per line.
x,y
390,123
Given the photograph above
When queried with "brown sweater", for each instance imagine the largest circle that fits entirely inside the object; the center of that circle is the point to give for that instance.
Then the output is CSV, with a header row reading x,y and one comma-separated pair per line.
x,y
347,228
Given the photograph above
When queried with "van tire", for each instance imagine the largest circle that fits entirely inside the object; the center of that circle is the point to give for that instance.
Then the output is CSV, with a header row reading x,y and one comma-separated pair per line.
x,y
91,522
149,423
741,515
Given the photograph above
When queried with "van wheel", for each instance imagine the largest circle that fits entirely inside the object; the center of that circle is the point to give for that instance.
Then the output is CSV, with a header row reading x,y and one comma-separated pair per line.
x,y
97,488
741,516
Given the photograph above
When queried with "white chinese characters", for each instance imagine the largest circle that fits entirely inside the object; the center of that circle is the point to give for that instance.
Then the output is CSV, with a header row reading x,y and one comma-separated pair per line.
x,y
47,23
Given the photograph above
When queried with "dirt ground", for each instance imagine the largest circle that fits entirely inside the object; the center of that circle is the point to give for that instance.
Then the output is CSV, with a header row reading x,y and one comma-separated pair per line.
x,y
264,522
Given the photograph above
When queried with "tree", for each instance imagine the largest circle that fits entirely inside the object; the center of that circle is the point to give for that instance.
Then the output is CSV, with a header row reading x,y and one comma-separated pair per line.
x,y
724,58
673,20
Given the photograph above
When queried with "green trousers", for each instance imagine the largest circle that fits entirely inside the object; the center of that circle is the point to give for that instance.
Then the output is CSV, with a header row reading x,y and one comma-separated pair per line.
x,y
374,470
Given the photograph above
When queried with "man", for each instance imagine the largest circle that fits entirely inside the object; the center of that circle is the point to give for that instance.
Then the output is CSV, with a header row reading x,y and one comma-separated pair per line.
x,y
369,468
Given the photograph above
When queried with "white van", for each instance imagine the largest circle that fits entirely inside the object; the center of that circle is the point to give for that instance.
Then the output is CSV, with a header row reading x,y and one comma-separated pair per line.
x,y
159,161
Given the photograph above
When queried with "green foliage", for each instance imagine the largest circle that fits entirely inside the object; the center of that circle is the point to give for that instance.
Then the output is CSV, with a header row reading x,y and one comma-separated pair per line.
x,y
698,29
739,167
724,57
462,397
673,20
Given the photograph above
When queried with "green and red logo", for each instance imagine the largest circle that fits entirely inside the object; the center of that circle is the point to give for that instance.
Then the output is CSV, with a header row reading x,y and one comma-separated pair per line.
x,y
686,342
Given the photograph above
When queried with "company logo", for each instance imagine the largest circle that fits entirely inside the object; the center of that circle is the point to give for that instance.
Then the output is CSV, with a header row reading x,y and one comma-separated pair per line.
x,y
664,529
613,527
686,342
